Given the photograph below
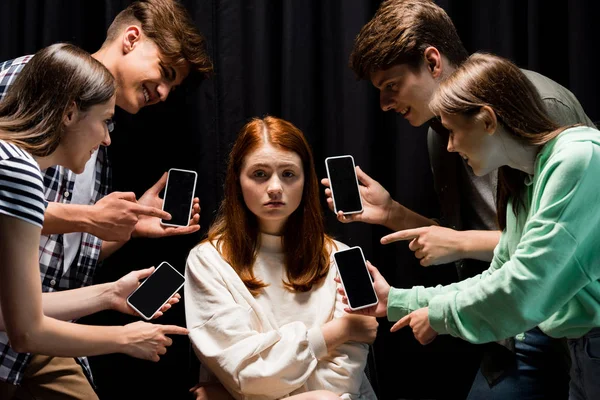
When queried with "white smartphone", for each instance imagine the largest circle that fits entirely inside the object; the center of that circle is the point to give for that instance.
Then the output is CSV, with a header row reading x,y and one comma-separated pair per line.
x,y
179,196
156,290
355,278
343,184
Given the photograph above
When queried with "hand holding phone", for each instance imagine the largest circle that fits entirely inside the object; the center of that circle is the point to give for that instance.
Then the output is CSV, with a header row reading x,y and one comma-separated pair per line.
x,y
355,278
154,292
343,183
179,196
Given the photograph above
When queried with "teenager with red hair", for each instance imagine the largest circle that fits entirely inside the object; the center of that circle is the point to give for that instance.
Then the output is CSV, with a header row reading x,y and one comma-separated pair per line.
x,y
261,302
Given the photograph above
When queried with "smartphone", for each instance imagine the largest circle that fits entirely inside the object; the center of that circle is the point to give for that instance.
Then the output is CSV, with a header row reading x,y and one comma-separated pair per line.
x,y
179,196
156,290
355,278
343,184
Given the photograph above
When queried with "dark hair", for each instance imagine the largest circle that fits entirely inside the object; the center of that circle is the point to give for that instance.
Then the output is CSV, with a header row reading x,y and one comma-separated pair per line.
x,y
399,33
493,81
31,114
168,24
235,231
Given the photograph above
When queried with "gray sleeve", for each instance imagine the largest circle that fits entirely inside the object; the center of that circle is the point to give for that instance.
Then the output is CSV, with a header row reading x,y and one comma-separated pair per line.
x,y
565,114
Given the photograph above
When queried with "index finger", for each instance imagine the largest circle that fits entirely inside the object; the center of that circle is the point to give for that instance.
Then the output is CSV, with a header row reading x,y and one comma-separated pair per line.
x,y
174,330
404,321
150,211
407,234
325,182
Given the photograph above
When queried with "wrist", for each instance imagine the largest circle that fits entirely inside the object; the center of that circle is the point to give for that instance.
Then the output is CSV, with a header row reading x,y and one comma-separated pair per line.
x,y
123,341
461,244
395,214
87,219
109,296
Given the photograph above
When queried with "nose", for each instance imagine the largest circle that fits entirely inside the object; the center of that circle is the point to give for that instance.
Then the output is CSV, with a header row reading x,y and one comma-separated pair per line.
x,y
386,102
106,141
163,91
274,187
450,147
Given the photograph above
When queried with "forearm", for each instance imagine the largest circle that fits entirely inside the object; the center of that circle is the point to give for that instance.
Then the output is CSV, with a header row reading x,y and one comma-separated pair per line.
x,y
69,305
73,304
109,248
66,218
479,245
401,302
334,334
400,218
58,338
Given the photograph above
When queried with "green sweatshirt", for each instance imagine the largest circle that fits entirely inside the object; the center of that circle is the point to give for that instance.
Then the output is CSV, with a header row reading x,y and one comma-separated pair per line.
x,y
546,267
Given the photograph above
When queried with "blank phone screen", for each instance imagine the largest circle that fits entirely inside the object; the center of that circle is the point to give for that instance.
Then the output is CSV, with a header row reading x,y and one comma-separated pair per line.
x,y
178,196
149,297
344,185
355,277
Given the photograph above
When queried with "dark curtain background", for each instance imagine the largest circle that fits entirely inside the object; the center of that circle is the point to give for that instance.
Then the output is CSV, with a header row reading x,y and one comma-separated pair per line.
x,y
289,59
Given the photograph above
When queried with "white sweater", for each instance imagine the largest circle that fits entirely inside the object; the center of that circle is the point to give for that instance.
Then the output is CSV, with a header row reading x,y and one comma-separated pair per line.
x,y
269,346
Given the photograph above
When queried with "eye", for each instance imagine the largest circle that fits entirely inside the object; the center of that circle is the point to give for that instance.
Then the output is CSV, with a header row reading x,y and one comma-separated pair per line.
x,y
392,86
110,124
288,174
259,174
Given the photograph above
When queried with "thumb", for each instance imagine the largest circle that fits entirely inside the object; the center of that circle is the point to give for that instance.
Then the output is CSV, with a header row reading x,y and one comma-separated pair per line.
x,y
129,196
160,184
373,271
363,177
144,273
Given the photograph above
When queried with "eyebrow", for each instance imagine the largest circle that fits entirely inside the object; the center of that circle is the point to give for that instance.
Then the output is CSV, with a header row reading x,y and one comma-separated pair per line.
x,y
284,165
384,80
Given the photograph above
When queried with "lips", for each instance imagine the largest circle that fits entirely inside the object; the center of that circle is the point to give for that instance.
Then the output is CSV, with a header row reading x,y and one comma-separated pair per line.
x,y
275,204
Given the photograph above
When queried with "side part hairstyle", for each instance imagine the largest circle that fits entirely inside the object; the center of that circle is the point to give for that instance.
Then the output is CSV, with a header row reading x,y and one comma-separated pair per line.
x,y
493,81
399,33
31,114
235,231
168,24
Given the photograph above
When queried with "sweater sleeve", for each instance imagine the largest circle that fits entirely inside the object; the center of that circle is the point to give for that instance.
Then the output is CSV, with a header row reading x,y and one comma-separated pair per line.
x,y
545,270
342,371
248,358
404,301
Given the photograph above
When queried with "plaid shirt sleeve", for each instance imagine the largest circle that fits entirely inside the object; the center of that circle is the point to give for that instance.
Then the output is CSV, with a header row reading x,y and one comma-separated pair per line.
x,y
9,71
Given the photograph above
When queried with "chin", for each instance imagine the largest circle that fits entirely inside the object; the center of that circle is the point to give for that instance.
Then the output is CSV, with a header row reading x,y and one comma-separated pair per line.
x,y
479,171
130,107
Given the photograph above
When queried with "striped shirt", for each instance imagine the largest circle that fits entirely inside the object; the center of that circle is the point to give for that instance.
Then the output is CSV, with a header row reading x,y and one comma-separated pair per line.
x,y
21,185
58,184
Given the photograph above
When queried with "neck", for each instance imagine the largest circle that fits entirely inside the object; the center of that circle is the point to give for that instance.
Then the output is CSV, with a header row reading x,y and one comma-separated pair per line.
x,y
47,161
271,227
520,156
106,56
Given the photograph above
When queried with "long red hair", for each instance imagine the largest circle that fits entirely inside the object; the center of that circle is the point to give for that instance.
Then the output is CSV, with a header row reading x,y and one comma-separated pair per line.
x,y
235,231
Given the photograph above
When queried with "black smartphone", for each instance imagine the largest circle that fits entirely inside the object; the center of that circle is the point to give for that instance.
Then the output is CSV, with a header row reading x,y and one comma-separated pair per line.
x,y
355,278
156,290
179,196
343,184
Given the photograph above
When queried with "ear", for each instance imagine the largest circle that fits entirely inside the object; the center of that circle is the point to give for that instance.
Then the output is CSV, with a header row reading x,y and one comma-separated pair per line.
x,y
71,115
489,119
433,61
131,38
